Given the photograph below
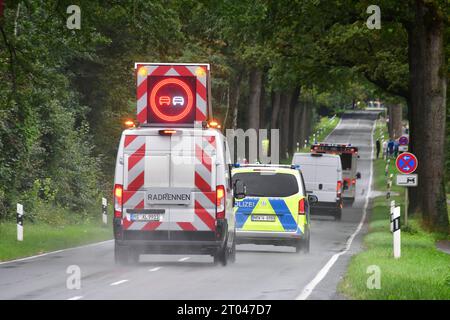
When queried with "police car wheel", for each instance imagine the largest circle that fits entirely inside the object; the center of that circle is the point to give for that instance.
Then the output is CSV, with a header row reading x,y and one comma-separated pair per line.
x,y
303,244
306,242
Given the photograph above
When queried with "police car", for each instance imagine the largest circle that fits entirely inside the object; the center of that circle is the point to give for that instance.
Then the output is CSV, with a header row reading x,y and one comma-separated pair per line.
x,y
172,186
275,208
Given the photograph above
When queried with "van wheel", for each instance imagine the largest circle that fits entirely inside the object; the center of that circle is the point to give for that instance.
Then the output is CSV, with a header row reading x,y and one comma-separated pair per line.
x,y
221,256
121,254
338,214
135,254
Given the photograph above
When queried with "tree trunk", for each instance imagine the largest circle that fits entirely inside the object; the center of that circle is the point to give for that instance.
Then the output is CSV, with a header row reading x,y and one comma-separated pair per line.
x,y
303,132
255,84
429,113
292,123
285,102
234,99
276,96
395,121
263,103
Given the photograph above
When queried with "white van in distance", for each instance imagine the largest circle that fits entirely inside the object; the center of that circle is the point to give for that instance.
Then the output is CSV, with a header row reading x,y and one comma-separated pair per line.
x,y
323,178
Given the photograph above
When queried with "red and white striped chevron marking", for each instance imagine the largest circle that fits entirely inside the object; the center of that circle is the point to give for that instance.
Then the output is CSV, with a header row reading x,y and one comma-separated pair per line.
x,y
133,196
167,70
205,198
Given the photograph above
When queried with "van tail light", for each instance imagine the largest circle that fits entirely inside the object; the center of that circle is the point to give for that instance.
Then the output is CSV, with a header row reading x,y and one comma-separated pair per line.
x,y
301,206
118,193
339,188
220,202
353,181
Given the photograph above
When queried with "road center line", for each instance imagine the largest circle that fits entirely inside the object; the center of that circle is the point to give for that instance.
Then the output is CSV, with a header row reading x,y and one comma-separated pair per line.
x,y
325,269
154,269
184,259
118,282
75,298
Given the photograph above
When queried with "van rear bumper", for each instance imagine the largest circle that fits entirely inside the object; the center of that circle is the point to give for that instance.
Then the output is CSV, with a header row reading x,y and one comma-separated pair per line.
x,y
172,246
176,242
325,207
267,237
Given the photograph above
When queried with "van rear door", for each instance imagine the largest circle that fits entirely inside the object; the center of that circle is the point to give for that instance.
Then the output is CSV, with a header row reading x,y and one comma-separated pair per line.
x,y
326,178
169,182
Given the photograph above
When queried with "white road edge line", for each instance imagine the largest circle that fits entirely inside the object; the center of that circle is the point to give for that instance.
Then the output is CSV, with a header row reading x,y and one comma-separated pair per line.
x,y
118,282
338,124
57,251
184,259
154,269
75,298
325,269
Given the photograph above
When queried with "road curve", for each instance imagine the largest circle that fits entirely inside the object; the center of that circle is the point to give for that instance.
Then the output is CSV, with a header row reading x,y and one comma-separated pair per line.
x,y
261,272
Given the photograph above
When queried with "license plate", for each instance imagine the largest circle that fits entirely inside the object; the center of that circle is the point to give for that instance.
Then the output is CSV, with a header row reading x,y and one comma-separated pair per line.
x,y
260,217
145,217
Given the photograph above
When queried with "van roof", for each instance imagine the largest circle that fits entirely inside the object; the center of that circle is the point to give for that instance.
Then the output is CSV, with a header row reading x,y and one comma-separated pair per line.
x,y
276,169
152,130
307,154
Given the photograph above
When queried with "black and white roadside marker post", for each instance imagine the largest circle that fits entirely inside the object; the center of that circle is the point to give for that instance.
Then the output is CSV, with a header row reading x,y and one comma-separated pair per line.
x,y
392,215
105,211
19,216
396,232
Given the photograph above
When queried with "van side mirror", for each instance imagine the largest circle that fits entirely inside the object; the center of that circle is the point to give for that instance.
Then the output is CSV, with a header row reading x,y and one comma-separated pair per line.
x,y
240,189
358,175
312,199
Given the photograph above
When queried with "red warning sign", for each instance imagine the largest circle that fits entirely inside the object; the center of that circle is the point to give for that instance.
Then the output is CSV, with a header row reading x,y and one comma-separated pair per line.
x,y
172,93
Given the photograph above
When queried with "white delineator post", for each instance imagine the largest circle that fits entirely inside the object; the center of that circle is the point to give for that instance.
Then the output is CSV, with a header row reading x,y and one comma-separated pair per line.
x,y
104,210
396,232
19,222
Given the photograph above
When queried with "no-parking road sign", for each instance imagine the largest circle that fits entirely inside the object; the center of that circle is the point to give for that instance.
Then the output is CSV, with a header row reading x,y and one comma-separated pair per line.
x,y
406,163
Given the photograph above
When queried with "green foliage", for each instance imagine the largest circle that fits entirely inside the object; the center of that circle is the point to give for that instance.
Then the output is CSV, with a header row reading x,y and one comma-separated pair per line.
x,y
64,93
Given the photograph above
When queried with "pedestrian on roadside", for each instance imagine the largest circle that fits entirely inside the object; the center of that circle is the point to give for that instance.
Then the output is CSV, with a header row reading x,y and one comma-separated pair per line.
x,y
396,146
390,147
378,148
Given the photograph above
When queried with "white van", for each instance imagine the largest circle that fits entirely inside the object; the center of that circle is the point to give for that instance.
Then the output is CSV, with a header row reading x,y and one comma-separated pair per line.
x,y
172,193
323,178
172,186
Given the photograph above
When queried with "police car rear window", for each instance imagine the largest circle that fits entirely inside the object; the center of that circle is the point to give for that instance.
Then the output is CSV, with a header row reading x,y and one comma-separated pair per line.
x,y
268,185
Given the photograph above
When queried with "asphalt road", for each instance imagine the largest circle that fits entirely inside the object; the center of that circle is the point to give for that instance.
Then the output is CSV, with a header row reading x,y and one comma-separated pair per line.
x,y
261,272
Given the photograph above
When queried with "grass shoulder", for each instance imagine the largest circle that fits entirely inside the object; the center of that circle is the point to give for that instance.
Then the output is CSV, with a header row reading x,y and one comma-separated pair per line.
x,y
62,232
422,272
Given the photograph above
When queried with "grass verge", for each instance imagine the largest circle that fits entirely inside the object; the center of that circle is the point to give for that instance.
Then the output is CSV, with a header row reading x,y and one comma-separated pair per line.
x,y
422,272
42,237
